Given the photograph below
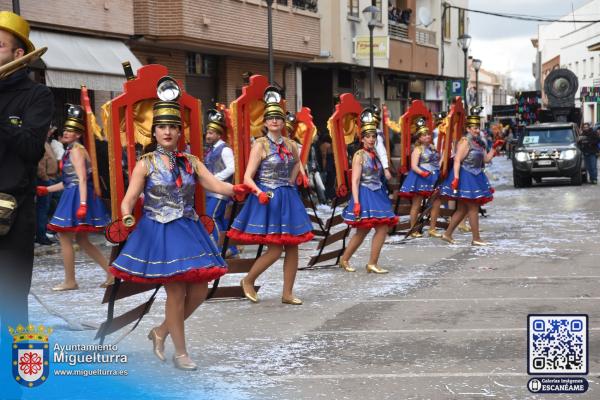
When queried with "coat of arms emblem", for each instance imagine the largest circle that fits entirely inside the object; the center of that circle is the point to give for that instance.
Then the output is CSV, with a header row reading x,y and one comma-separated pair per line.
x,y
30,354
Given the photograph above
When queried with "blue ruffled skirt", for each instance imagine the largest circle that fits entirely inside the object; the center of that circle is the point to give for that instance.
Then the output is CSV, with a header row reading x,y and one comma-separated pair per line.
x,y
375,209
283,221
65,219
415,184
471,187
180,250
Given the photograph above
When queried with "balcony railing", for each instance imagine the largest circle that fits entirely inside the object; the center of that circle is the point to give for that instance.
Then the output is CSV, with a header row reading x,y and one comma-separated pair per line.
x,y
424,36
308,5
397,31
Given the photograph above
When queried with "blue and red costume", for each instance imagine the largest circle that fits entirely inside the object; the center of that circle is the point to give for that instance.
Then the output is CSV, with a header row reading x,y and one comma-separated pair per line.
x,y
415,184
169,243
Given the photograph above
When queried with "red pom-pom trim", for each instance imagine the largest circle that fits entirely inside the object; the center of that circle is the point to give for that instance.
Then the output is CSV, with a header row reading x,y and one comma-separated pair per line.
x,y
368,223
273,238
79,228
194,275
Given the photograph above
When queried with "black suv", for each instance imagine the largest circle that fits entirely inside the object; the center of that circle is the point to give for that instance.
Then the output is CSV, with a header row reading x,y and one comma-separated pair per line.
x,y
548,150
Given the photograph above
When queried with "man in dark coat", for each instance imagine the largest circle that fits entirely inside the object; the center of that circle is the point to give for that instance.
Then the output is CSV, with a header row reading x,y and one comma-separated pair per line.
x,y
26,109
588,143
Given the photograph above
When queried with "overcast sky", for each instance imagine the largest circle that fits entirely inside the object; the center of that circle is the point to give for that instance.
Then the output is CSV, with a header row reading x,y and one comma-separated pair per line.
x,y
504,45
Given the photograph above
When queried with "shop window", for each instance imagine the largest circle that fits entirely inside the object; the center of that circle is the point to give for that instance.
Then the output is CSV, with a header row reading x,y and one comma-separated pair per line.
x,y
344,79
201,64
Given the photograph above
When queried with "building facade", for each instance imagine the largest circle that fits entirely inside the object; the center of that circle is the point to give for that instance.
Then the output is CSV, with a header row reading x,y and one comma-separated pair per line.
x,y
570,45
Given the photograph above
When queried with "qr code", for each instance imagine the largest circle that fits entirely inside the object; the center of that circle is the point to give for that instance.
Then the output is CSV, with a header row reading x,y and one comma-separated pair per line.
x,y
557,344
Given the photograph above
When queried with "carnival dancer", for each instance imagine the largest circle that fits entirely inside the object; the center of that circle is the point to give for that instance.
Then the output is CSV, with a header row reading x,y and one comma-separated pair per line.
x,y
79,210
467,183
219,160
275,216
421,180
169,245
369,206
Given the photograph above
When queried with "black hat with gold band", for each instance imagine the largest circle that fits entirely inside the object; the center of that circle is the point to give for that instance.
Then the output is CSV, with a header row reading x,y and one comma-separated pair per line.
x,y
74,121
474,120
166,113
290,122
273,107
216,121
422,128
16,25
369,122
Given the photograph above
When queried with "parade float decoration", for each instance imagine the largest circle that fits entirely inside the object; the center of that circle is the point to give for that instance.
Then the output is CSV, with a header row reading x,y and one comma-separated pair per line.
x,y
343,126
128,122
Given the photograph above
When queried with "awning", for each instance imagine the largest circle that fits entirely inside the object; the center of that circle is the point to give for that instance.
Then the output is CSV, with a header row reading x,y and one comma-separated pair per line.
x,y
594,47
73,61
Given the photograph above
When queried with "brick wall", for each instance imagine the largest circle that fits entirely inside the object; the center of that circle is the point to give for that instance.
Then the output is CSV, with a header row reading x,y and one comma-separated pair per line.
x,y
174,60
229,25
106,17
232,80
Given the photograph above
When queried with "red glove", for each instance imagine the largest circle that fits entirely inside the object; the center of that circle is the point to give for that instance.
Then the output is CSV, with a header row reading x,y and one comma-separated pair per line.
x,y
357,210
41,191
424,174
498,143
240,191
454,184
263,198
302,180
81,211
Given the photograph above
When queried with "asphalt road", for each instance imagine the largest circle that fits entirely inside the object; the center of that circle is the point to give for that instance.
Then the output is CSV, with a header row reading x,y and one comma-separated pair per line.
x,y
447,322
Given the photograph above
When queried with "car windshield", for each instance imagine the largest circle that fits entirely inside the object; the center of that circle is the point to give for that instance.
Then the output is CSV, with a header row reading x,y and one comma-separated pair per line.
x,y
547,136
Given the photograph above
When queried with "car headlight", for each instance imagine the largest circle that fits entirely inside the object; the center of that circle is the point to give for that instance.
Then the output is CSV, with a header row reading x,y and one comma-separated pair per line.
x,y
522,156
568,154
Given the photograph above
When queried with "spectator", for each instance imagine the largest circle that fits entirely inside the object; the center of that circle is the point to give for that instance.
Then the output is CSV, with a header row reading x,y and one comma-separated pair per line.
x,y
588,143
46,175
56,142
327,165
405,16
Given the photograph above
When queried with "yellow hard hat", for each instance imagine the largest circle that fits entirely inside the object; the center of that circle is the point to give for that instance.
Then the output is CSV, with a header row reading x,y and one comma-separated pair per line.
x,y
18,26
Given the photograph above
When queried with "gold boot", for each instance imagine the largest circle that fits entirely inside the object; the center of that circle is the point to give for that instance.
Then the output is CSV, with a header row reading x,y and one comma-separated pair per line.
x,y
434,233
346,266
250,293
416,235
376,269
464,228
292,300
158,345
448,239
184,362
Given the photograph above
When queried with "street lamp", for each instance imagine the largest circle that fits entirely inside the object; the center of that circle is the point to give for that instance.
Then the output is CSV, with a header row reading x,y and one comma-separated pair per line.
x,y
476,65
270,39
371,14
464,41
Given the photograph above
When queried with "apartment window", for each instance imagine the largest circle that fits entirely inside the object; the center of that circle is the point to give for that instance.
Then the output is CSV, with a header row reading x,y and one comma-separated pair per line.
x,y
353,8
448,24
584,68
282,2
591,67
201,64
461,22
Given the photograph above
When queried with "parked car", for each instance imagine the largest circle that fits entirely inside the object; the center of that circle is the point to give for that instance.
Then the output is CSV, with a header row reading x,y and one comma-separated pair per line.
x,y
548,150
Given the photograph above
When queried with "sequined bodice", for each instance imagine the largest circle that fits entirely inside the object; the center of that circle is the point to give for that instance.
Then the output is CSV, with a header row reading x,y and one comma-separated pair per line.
x,y
371,172
275,171
429,159
473,162
163,200
69,176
